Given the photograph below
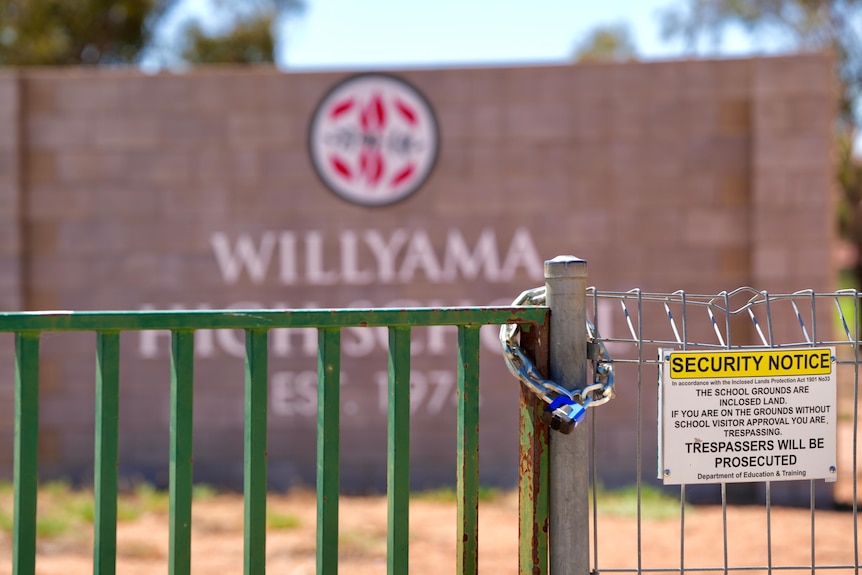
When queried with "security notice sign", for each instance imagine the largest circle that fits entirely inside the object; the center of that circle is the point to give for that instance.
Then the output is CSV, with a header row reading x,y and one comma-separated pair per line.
x,y
752,415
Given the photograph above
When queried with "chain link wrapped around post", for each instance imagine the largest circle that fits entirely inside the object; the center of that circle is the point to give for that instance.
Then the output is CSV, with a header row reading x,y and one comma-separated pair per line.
x,y
566,409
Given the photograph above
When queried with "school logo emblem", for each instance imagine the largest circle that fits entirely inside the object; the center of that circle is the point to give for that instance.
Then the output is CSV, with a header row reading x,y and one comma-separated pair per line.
x,y
373,139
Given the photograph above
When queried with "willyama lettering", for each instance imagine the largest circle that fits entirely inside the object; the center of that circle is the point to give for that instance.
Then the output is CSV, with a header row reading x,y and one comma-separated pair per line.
x,y
730,364
367,257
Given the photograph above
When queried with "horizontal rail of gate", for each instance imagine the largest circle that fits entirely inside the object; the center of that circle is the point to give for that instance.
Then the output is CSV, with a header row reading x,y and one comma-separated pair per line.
x,y
108,326
635,325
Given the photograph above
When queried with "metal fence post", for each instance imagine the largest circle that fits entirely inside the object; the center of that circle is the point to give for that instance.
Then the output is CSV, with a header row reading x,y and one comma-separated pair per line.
x,y
569,536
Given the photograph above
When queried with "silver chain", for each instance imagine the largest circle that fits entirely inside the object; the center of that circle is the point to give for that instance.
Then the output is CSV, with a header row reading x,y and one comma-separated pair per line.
x,y
566,408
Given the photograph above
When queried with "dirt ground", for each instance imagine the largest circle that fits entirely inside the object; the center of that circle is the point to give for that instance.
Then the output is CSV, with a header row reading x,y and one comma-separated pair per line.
x,y
217,539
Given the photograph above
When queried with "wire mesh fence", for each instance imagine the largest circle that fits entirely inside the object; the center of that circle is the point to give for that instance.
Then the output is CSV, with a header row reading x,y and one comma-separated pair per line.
x,y
756,526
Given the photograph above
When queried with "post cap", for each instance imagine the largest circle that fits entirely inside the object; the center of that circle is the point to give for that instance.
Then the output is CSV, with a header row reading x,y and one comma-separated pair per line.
x,y
565,267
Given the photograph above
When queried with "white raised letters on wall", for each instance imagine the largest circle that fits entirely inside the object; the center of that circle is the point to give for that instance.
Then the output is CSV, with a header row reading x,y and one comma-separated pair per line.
x,y
371,256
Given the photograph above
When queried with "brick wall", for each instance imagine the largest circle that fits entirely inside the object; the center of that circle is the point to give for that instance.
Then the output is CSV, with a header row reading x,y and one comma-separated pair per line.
x,y
10,247
137,189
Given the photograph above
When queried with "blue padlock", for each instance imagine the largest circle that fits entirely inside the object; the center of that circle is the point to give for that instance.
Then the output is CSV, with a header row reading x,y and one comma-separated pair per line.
x,y
563,414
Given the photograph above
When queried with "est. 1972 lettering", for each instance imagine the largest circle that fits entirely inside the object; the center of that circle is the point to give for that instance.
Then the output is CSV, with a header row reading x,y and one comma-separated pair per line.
x,y
294,394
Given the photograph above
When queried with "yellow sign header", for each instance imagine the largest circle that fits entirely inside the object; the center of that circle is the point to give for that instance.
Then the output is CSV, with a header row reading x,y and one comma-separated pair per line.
x,y
749,363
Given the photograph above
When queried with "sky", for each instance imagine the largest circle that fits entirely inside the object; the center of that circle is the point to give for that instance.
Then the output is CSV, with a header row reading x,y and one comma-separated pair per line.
x,y
379,34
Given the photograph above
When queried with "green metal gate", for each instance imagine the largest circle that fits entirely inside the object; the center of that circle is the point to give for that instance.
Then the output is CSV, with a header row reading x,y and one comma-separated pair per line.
x,y
108,326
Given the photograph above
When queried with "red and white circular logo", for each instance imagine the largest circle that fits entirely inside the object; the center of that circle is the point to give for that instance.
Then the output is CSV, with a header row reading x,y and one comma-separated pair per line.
x,y
373,139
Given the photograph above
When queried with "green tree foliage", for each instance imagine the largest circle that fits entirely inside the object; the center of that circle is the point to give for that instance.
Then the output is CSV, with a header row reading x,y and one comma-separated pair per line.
x,y
76,32
607,43
800,25
98,32
249,42
248,39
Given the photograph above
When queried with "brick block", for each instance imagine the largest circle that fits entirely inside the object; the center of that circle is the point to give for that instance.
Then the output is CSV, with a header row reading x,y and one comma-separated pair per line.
x,y
800,189
446,90
591,121
786,225
486,123
125,132
809,74
52,202
532,124
188,130
454,125
487,85
9,95
736,263
9,205
9,136
40,168
59,132
265,130
734,188
734,116
41,237
716,227
39,92
734,78
701,79
815,261
801,151
166,93
129,199
78,93
627,120
76,165
590,82
700,116
666,121
10,240
162,168
69,412
51,445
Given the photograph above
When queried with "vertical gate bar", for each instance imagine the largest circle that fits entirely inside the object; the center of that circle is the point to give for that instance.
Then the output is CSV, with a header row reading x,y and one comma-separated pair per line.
x,y
468,451
182,372
723,484
768,487
813,533
107,453
594,473
639,429
26,460
855,441
768,505
398,447
569,547
682,529
684,315
328,446
533,469
254,452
